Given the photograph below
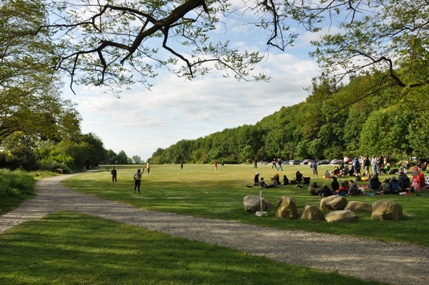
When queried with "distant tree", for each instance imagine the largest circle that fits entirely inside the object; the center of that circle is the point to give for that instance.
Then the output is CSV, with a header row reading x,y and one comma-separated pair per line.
x,y
137,159
111,157
95,152
122,158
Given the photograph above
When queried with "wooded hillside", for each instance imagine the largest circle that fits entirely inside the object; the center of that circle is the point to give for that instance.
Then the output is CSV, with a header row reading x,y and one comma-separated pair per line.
x,y
351,120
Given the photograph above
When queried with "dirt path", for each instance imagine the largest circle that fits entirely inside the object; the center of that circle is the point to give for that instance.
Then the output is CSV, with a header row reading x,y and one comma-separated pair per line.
x,y
395,263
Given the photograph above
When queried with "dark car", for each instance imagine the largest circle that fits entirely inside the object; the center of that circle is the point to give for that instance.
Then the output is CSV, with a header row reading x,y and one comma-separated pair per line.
x,y
337,161
323,162
307,161
294,162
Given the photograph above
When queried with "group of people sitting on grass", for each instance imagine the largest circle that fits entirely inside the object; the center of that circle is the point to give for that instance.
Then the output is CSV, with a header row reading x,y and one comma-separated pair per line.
x,y
275,181
347,187
401,185
342,171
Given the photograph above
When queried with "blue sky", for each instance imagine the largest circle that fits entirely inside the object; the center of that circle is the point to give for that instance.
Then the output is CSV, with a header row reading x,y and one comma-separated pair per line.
x,y
140,121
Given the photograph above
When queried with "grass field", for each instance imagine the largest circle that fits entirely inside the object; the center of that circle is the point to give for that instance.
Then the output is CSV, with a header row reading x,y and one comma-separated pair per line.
x,y
199,190
69,248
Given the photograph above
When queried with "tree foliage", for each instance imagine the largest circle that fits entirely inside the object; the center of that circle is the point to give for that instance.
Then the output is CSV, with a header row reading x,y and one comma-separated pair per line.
x,y
372,126
29,98
377,36
112,41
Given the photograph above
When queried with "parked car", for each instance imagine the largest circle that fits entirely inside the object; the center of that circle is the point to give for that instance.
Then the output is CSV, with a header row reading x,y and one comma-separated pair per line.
x,y
337,161
294,162
323,162
307,161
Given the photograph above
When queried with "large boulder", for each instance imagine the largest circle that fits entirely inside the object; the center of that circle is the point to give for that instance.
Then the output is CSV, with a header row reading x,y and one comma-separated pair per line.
x,y
312,212
386,210
333,203
286,208
252,204
346,216
357,206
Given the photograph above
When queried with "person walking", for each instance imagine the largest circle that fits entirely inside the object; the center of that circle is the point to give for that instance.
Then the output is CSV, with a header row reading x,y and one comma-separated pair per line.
x,y
137,180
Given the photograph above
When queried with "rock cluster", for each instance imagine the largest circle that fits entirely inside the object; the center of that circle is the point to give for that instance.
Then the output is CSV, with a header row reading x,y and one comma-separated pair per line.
x,y
341,209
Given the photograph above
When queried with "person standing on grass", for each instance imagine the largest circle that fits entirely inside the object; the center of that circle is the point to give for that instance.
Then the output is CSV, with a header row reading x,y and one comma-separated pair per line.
x,y
274,165
114,175
148,167
215,165
279,164
137,180
314,168
366,163
356,166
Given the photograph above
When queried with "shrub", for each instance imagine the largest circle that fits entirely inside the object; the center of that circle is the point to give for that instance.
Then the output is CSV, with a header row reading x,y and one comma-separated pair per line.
x,y
15,186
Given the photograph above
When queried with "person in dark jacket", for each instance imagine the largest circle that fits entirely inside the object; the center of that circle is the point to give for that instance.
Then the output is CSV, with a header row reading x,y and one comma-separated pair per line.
x,y
353,189
256,179
374,183
404,182
285,180
325,191
334,184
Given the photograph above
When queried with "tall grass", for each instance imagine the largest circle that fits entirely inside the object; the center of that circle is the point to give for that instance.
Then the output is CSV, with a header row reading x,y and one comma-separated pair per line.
x,y
17,186
201,191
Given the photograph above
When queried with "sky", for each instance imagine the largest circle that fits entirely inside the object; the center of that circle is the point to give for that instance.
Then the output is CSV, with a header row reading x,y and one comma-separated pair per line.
x,y
141,121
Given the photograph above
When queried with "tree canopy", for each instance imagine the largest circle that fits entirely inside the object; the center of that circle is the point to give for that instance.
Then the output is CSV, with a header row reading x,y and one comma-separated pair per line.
x,y
106,43
29,97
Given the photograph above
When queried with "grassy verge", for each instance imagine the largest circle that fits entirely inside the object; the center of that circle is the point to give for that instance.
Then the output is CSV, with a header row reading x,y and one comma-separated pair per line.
x,y
18,186
200,191
69,248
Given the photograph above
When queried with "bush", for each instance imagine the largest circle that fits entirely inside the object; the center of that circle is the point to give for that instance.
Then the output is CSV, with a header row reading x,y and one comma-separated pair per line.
x,y
19,157
51,165
15,187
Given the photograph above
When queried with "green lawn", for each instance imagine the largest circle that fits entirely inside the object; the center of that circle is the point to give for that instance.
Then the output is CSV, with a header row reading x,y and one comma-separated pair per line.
x,y
70,248
198,190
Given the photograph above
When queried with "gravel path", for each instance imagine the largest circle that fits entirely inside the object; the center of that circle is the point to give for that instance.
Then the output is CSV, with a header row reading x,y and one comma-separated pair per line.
x,y
394,263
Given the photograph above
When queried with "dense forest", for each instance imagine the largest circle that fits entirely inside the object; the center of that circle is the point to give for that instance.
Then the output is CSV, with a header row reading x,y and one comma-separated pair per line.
x,y
367,116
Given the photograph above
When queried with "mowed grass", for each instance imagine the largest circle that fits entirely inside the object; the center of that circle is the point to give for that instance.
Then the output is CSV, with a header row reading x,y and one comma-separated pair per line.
x,y
70,248
199,190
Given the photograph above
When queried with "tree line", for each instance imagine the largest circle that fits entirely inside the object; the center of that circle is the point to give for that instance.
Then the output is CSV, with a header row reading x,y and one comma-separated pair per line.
x,y
334,121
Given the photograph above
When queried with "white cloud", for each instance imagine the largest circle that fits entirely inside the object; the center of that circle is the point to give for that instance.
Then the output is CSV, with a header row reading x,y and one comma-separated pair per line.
x,y
142,121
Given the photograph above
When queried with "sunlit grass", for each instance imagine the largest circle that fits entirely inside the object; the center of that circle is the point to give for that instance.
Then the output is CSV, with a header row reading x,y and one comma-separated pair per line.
x,y
70,248
198,190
